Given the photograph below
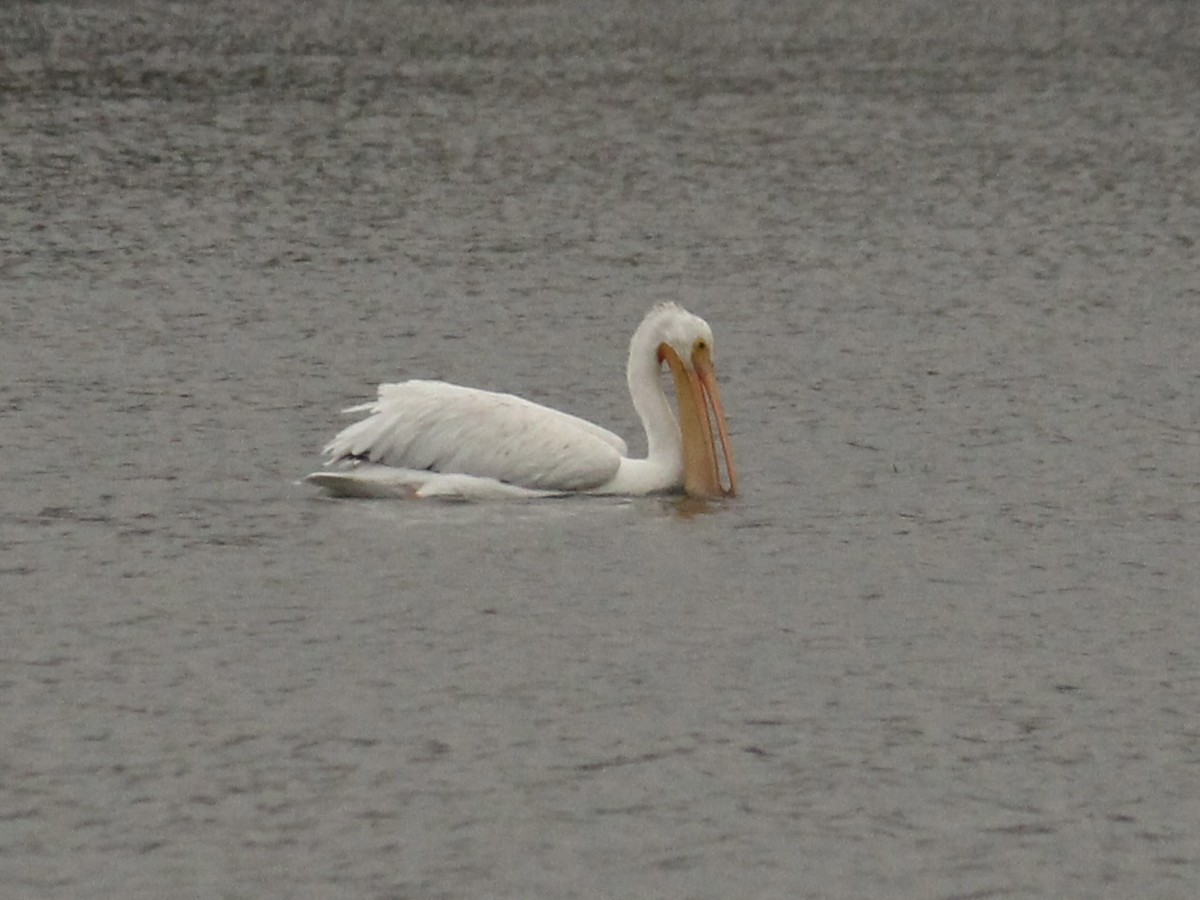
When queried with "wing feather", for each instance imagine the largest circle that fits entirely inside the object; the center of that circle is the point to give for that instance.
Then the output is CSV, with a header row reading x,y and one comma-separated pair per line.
x,y
452,429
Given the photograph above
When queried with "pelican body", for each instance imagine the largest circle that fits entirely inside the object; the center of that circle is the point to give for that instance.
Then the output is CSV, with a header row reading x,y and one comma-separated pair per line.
x,y
430,438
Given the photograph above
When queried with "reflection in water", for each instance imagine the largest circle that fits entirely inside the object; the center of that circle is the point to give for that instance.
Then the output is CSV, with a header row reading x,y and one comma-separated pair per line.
x,y
685,507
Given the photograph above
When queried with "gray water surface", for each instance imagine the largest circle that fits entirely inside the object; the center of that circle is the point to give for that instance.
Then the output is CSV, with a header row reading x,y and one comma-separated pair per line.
x,y
943,645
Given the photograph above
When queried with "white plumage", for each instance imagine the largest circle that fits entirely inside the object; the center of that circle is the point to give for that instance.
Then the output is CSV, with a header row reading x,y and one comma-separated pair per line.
x,y
430,438
448,428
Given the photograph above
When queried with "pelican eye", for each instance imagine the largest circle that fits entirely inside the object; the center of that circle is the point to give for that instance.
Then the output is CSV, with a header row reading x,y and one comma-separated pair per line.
x,y
701,344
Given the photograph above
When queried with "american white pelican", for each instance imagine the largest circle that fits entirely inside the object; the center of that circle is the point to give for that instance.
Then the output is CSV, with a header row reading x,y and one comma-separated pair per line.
x,y
430,438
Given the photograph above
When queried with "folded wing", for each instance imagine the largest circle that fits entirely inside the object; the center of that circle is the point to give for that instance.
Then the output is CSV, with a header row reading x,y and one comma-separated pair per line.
x,y
452,429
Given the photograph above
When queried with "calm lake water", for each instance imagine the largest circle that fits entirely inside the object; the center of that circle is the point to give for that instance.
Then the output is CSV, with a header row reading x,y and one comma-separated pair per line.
x,y
945,644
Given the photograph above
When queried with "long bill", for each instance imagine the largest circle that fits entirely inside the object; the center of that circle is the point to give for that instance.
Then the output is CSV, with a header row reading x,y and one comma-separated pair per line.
x,y
700,408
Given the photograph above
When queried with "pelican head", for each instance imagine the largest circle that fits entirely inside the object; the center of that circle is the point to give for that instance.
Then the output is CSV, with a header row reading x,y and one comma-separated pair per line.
x,y
685,343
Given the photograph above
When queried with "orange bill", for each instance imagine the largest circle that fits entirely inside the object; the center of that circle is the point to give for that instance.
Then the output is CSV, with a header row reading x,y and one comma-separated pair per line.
x,y
700,413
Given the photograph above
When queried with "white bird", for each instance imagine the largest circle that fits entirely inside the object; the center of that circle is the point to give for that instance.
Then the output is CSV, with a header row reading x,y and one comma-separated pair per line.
x,y
430,438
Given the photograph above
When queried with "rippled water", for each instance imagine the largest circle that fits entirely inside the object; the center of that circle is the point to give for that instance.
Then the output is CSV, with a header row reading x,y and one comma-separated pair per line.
x,y
944,645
